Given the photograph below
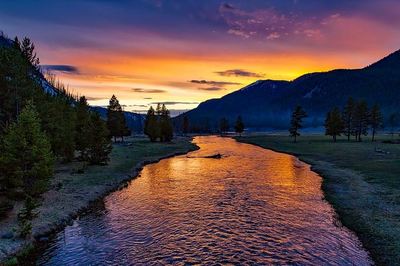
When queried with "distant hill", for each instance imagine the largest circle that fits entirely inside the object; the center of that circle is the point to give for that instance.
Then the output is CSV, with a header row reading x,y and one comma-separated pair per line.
x,y
268,103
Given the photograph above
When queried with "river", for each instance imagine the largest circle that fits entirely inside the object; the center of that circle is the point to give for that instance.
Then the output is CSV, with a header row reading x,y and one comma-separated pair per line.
x,y
252,206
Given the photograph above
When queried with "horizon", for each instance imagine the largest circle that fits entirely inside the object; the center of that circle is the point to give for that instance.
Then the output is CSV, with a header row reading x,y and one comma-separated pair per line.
x,y
182,54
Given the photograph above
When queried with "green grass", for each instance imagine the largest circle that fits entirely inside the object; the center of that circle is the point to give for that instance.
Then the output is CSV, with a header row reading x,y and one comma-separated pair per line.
x,y
363,185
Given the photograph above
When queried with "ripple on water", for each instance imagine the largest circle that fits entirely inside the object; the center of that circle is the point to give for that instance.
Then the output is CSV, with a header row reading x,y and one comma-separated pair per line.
x,y
251,206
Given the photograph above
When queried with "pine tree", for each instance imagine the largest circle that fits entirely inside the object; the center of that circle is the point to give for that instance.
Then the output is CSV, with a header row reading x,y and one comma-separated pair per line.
x,y
296,122
165,125
185,128
223,125
150,125
99,146
333,123
28,51
83,130
59,122
376,120
361,120
116,119
347,118
26,154
239,126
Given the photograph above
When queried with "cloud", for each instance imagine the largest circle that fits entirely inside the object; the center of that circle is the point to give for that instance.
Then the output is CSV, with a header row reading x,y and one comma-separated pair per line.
x,y
68,69
147,98
142,90
273,36
228,6
212,89
214,83
239,73
134,105
94,98
173,103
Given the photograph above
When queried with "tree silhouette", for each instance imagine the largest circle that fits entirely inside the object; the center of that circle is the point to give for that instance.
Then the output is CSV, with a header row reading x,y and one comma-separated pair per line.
x,y
165,124
361,120
239,125
333,123
99,146
223,125
376,120
347,118
296,122
82,137
116,122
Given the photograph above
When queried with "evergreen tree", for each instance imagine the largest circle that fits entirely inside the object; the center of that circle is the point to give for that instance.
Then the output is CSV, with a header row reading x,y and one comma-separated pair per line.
x,y
296,122
99,146
116,119
239,126
376,120
150,125
26,155
59,122
223,125
165,124
333,123
347,118
17,85
159,110
125,131
361,120
28,51
83,130
185,128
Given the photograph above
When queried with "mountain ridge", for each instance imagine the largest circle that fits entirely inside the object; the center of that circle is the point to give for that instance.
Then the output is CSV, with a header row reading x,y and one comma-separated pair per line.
x,y
268,103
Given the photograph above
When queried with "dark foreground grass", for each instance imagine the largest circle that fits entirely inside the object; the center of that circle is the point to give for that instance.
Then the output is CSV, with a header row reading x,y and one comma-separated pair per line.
x,y
75,186
361,181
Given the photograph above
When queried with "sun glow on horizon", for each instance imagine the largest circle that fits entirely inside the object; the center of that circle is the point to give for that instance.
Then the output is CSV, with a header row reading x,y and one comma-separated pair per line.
x,y
187,52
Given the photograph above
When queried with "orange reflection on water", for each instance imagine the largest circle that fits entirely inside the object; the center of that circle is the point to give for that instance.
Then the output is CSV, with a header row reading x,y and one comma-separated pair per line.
x,y
251,206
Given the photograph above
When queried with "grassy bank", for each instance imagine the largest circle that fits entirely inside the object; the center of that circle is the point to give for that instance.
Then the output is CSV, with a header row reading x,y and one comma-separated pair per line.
x,y
75,186
361,181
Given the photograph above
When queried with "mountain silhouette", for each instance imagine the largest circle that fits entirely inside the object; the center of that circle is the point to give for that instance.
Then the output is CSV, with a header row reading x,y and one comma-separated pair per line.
x,y
269,103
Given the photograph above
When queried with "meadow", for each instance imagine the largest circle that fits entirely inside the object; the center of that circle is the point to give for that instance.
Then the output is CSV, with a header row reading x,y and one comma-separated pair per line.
x,y
360,179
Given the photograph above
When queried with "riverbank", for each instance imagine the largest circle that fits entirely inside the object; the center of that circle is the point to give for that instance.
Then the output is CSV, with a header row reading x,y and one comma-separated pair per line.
x,y
75,186
361,181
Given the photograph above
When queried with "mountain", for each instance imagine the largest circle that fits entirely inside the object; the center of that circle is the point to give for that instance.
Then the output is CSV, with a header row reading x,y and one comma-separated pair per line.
x,y
269,103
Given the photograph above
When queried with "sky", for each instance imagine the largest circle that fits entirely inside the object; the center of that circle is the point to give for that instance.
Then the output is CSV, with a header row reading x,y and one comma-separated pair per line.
x,y
184,52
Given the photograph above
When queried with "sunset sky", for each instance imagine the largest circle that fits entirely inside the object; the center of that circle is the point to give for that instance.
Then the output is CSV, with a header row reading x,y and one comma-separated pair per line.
x,y
184,52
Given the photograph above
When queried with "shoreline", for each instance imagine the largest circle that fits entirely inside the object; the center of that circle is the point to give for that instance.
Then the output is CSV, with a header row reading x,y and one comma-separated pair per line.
x,y
42,231
353,199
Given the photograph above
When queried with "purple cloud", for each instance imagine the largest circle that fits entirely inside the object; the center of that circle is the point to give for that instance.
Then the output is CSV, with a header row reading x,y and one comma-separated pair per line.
x,y
239,73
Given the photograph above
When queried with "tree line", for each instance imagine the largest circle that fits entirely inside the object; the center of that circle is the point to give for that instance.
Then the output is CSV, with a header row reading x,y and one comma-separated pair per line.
x,y
356,120
223,126
38,128
158,124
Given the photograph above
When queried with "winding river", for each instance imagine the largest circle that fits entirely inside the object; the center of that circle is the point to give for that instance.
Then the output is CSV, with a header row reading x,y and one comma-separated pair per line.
x,y
252,206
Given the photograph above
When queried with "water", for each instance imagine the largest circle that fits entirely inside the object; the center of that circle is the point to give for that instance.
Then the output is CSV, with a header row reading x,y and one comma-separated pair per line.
x,y
253,206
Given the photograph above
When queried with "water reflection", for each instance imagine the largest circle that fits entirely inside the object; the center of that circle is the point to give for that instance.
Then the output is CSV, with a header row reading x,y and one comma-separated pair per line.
x,y
251,206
